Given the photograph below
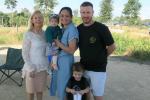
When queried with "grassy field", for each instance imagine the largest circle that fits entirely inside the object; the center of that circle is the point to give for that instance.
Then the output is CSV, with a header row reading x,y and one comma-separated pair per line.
x,y
11,35
138,48
131,41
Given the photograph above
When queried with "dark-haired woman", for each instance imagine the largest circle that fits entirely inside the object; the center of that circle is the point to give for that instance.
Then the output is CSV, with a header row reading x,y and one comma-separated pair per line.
x,y
68,45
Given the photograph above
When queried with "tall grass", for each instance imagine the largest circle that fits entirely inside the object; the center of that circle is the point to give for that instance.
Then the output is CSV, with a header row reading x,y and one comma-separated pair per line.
x,y
141,49
138,48
11,35
130,43
11,38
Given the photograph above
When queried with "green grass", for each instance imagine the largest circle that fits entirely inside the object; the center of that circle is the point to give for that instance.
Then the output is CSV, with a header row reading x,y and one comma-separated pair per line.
x,y
141,49
3,39
138,48
122,43
11,38
19,37
128,43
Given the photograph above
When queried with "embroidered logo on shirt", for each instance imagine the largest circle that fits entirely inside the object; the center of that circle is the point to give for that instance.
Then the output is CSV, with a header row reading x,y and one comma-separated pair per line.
x,y
92,39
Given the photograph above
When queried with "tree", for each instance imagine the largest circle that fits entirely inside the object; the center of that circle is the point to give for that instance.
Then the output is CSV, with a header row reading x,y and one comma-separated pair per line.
x,y
131,11
4,19
106,10
12,19
119,20
75,13
26,12
11,4
45,5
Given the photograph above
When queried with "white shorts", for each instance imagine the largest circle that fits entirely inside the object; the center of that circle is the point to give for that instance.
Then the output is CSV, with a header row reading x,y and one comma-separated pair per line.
x,y
97,82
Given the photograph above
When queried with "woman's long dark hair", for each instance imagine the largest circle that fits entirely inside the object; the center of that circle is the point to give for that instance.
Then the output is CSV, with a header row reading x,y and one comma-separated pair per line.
x,y
68,9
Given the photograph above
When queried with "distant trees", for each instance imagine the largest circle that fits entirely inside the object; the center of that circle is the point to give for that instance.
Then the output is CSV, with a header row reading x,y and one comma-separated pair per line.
x,y
46,6
131,12
26,12
18,19
14,18
21,18
4,19
75,12
119,20
106,10
11,4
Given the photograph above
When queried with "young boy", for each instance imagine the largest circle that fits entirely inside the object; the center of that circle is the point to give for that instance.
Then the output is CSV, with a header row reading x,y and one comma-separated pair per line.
x,y
53,32
77,86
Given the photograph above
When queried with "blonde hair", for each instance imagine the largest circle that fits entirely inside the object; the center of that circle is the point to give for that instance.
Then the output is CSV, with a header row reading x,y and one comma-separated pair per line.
x,y
30,24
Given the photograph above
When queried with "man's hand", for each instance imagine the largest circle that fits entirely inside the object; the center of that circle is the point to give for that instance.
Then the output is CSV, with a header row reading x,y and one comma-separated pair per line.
x,y
110,49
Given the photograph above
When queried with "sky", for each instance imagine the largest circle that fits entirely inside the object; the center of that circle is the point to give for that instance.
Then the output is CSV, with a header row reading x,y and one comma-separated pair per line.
x,y
118,6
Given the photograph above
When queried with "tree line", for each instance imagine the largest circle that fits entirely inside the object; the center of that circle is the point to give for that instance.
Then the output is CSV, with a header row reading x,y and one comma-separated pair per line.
x,y
130,13
21,18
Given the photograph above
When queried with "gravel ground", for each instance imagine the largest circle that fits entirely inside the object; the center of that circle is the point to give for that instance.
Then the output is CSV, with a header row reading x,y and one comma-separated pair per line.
x,y
126,80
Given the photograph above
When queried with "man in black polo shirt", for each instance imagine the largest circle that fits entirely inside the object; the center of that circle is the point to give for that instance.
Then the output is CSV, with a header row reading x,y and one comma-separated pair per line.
x,y
95,44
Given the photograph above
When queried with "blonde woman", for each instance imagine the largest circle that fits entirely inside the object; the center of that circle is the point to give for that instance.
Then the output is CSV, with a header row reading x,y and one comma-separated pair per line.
x,y
33,51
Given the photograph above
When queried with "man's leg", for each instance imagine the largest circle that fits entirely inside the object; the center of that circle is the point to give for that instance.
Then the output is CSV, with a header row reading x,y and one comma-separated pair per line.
x,y
97,82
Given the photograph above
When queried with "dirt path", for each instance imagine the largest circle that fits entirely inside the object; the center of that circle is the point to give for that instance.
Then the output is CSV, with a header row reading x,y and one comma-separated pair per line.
x,y
125,81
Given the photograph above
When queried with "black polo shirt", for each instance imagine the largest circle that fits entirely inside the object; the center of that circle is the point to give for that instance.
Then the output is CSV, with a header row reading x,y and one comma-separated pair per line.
x,y
93,40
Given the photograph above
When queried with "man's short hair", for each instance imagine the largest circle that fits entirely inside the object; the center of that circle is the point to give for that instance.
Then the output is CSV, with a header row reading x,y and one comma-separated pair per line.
x,y
86,3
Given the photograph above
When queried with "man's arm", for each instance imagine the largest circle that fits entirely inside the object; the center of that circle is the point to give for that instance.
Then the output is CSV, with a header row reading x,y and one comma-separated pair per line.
x,y
110,49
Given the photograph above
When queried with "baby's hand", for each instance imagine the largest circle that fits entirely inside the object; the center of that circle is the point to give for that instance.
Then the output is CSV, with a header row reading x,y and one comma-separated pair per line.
x,y
54,66
51,65
58,43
